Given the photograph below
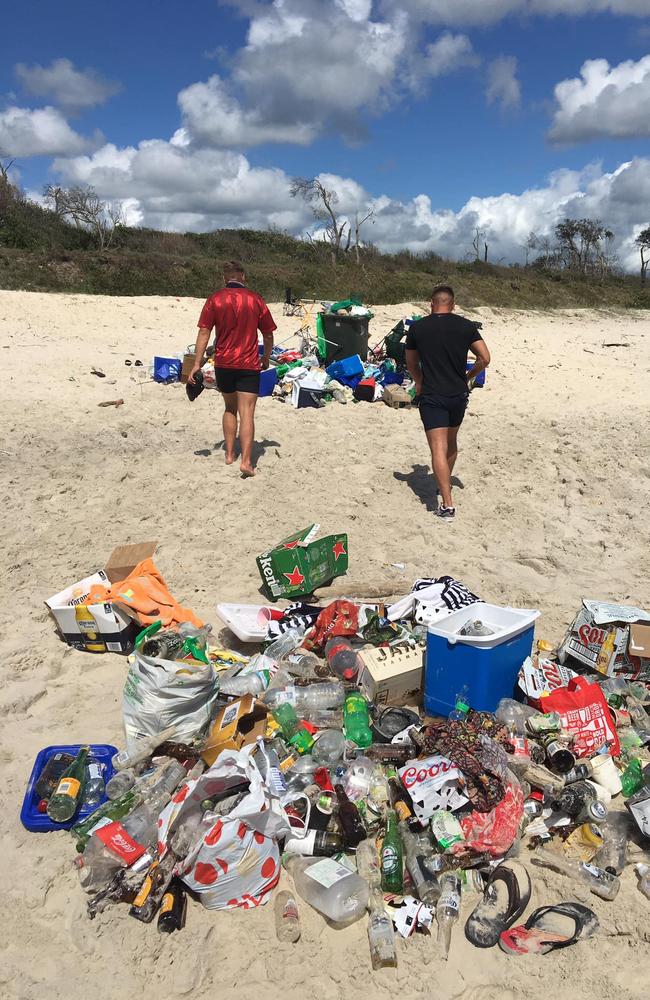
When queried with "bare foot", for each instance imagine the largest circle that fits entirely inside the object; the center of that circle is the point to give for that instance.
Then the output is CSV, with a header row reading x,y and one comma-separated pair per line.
x,y
230,459
247,471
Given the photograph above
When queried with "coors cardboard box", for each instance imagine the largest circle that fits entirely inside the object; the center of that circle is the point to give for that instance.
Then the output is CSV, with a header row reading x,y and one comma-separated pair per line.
x,y
299,564
611,639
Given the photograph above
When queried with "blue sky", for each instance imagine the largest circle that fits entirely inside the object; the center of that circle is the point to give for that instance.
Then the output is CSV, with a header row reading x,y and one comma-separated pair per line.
x,y
439,114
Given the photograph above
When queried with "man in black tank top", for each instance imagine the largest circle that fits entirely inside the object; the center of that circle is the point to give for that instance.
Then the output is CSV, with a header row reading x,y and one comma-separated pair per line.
x,y
436,355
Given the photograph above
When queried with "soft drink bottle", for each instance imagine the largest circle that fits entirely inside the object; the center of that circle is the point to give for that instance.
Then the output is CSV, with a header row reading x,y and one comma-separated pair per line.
x,y
343,658
357,720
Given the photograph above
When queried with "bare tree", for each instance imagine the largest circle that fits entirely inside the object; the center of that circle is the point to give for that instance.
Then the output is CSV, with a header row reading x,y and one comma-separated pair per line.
x,y
84,207
323,202
479,237
531,244
643,243
358,223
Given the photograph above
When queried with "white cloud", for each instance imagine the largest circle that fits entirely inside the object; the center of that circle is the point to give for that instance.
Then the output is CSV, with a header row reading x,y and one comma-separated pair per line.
x,y
604,102
503,86
212,117
449,53
70,88
178,187
482,12
39,132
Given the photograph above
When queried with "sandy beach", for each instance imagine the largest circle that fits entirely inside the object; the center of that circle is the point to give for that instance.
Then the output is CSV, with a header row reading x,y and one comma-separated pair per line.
x,y
553,506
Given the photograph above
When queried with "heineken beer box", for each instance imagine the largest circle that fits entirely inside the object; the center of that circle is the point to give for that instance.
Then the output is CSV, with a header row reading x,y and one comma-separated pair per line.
x,y
299,564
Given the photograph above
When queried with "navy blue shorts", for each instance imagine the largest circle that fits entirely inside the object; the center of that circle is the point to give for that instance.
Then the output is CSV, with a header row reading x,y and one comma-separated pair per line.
x,y
443,411
237,380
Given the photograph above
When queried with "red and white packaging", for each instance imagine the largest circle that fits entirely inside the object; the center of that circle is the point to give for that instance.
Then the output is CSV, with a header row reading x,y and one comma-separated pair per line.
x,y
538,679
591,627
432,784
585,714
115,838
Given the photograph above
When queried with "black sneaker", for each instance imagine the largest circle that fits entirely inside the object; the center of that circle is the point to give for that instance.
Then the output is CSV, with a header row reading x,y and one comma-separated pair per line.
x,y
447,513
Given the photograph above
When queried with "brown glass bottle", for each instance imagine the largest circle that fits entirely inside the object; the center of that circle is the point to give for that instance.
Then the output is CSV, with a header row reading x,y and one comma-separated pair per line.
x,y
353,829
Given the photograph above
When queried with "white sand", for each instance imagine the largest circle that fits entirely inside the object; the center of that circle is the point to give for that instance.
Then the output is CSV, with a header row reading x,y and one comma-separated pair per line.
x,y
554,506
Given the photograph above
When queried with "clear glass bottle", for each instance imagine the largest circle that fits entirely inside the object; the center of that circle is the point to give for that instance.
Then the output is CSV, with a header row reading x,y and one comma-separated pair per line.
x,y
287,917
447,909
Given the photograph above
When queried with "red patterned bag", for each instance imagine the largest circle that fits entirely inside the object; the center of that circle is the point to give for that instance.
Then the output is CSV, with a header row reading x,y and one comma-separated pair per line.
x,y
585,713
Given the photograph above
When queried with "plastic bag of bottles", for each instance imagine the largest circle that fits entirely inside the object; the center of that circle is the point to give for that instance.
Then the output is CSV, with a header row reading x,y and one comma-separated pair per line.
x,y
234,860
161,693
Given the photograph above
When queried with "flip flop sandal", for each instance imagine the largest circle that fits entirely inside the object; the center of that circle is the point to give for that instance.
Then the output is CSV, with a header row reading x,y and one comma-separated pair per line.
x,y
549,928
506,896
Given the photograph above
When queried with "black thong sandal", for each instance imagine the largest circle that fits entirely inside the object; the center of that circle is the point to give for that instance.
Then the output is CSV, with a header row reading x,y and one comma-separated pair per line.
x,y
505,898
549,928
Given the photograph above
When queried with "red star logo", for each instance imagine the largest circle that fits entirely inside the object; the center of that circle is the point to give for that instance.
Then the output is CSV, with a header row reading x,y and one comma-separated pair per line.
x,y
338,550
291,545
295,578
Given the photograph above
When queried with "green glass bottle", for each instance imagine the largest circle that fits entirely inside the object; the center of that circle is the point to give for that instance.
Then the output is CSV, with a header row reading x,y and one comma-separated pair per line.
x,y
117,809
69,792
392,862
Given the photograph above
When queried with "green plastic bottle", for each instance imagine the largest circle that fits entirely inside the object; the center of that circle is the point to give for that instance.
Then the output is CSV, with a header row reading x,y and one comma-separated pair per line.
x,y
632,778
356,720
392,861
292,728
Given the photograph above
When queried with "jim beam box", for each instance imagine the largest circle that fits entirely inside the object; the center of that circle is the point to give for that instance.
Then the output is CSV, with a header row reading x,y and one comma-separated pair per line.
x,y
299,564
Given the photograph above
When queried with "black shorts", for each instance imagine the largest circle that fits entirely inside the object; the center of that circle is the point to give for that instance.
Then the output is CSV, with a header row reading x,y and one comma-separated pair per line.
x,y
443,411
237,380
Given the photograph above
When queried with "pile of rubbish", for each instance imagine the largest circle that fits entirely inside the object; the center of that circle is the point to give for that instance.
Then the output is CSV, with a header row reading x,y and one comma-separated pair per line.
x,y
410,762
333,364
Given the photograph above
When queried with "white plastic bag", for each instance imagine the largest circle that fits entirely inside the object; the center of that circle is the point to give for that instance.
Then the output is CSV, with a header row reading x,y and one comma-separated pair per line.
x,y
162,693
236,862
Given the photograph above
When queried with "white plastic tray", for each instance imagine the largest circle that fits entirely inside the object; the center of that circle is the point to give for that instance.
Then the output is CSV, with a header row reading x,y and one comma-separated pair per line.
x,y
241,619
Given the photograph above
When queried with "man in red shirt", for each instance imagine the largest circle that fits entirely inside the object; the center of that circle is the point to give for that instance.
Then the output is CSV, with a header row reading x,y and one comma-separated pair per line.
x,y
236,313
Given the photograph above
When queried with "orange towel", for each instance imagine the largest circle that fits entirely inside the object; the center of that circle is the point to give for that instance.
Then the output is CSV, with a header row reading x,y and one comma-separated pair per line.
x,y
146,593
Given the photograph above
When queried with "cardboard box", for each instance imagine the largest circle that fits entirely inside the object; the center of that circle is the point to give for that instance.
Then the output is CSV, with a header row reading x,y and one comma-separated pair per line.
x,y
188,364
392,675
639,644
125,558
298,565
397,397
585,637
117,626
235,726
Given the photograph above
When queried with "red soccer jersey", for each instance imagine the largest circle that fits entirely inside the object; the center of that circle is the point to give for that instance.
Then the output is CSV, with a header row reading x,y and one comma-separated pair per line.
x,y
237,313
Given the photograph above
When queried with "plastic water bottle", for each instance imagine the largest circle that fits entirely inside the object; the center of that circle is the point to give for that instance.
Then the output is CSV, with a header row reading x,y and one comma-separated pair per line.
x,y
121,782
333,890
244,684
95,785
287,918
514,715
312,698
601,882
284,644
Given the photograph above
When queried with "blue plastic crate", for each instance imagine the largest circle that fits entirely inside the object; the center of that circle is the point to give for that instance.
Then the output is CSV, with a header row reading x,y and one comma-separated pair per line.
x,y
488,665
101,753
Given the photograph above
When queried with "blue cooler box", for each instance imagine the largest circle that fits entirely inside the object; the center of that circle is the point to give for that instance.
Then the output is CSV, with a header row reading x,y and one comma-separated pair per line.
x,y
488,665
268,381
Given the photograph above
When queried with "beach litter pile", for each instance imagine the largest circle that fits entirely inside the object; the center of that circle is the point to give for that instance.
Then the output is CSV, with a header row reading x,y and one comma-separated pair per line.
x,y
417,763
333,362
